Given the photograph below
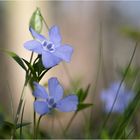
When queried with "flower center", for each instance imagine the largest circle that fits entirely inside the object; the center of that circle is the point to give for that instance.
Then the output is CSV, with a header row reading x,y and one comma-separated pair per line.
x,y
51,103
48,46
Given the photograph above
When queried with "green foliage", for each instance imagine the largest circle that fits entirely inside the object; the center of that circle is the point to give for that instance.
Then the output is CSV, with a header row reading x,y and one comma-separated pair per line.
x,y
82,106
16,58
19,125
105,134
6,129
131,33
82,95
32,70
125,119
131,74
39,69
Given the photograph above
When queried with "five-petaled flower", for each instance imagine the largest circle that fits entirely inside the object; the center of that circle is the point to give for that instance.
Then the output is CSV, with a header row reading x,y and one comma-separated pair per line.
x,y
124,97
46,102
51,50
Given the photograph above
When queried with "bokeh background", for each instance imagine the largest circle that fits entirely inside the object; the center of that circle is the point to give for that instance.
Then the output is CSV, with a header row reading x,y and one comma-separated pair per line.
x,y
80,23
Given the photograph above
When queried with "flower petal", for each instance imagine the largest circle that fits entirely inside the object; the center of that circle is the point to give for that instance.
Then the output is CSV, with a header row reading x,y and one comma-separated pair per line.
x,y
49,60
64,52
34,46
54,35
40,91
41,107
37,35
68,104
55,89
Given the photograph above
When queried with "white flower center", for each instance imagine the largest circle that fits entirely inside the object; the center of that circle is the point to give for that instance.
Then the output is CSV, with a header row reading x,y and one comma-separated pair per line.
x,y
48,46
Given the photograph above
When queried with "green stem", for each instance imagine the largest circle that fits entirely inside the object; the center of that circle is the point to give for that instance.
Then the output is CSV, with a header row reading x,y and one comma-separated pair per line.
x,y
22,120
37,127
131,131
27,78
34,119
45,23
52,125
125,74
69,123
21,100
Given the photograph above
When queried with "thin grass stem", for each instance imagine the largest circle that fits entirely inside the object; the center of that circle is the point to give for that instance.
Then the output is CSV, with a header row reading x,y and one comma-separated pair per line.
x,y
21,99
37,127
69,123
117,93
21,121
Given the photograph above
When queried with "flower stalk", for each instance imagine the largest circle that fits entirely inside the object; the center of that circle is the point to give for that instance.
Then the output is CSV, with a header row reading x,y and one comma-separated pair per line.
x,y
117,93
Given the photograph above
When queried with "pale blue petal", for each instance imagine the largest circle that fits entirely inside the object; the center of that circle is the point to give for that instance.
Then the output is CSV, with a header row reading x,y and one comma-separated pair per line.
x,y
115,85
68,104
55,89
40,91
124,97
49,60
55,36
37,35
34,46
41,107
64,52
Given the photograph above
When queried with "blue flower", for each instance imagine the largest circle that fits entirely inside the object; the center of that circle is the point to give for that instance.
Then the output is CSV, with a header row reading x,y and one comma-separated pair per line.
x,y
124,97
52,51
46,102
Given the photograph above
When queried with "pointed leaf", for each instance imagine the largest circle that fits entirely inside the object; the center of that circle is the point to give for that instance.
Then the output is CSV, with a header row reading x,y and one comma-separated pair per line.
x,y
8,124
31,68
41,76
38,66
82,106
16,58
23,124
83,94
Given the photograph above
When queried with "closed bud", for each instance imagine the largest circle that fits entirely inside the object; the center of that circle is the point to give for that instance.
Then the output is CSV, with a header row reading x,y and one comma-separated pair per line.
x,y
36,21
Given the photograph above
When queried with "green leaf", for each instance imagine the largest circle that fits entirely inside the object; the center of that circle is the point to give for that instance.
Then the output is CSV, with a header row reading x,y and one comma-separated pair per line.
x,y
23,124
131,32
41,76
105,134
8,124
125,119
11,125
131,74
31,68
82,106
82,94
38,66
6,129
16,58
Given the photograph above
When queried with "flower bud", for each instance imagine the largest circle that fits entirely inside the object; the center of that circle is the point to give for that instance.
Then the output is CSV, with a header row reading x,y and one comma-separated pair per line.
x,y
36,21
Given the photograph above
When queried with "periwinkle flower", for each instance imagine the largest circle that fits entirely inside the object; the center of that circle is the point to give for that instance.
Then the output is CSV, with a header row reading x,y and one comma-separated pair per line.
x,y
124,97
54,100
51,49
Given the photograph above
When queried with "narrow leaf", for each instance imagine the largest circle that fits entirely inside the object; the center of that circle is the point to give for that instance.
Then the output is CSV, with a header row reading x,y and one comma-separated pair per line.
x,y
22,124
124,120
31,68
82,94
16,58
82,106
